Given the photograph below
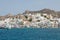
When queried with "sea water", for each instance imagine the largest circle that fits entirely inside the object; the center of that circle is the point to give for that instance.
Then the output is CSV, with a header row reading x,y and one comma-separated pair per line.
x,y
30,34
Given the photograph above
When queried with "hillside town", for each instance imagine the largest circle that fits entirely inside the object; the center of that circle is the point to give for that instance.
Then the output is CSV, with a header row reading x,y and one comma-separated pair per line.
x,y
31,19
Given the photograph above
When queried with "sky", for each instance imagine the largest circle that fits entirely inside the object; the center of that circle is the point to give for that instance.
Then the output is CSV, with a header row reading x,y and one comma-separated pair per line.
x,y
19,6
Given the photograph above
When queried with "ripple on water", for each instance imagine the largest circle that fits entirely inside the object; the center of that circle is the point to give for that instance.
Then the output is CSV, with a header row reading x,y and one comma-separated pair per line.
x,y
30,34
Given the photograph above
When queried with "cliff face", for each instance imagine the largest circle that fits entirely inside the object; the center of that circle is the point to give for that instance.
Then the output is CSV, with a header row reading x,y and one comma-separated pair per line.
x,y
47,11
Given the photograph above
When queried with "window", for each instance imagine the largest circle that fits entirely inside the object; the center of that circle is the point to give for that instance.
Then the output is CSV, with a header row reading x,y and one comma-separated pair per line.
x,y
37,17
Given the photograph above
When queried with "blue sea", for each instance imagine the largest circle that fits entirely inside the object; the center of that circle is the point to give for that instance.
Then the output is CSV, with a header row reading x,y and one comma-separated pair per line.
x,y
30,34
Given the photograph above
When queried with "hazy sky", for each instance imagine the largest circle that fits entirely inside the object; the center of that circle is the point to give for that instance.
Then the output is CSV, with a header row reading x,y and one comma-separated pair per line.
x,y
19,6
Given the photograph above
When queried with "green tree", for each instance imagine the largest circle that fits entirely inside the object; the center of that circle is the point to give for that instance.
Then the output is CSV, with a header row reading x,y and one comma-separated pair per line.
x,y
26,17
30,19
